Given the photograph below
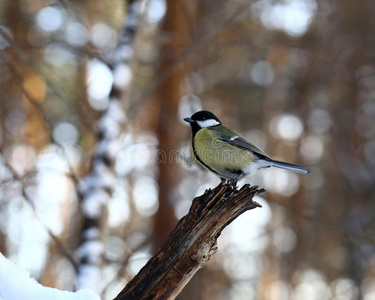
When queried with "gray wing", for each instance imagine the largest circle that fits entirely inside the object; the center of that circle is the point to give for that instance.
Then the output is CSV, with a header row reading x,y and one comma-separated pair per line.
x,y
231,138
240,142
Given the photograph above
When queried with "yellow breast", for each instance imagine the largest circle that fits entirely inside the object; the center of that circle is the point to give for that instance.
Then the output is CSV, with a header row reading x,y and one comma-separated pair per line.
x,y
218,156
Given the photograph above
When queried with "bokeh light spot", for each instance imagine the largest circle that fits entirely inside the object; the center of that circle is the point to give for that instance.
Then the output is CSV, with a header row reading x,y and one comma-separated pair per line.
x,y
76,34
312,149
262,73
103,37
50,18
99,84
145,196
284,239
292,16
65,133
281,181
56,55
21,157
156,10
319,120
289,127
122,76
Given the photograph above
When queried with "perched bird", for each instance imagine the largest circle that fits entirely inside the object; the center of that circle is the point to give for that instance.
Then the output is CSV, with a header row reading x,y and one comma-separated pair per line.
x,y
225,153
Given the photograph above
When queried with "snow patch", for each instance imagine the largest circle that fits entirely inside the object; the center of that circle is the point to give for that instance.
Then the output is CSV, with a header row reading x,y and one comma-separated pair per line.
x,y
16,284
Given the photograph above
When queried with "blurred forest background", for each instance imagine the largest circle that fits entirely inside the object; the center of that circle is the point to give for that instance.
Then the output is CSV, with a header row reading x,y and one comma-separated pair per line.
x,y
94,169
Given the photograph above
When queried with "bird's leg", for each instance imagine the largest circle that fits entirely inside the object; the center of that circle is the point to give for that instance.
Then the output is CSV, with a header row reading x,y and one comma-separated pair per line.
x,y
232,183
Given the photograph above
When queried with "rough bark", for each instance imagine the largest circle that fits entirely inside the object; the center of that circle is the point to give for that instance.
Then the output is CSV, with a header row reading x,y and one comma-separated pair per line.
x,y
191,244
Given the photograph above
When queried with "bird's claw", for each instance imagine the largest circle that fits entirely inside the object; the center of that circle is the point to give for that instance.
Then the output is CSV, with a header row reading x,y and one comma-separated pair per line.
x,y
232,183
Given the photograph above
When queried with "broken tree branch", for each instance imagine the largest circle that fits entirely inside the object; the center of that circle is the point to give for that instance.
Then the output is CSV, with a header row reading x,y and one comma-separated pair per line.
x,y
191,244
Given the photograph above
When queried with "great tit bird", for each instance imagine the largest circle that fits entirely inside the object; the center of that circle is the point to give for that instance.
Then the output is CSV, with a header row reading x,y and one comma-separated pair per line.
x,y
225,153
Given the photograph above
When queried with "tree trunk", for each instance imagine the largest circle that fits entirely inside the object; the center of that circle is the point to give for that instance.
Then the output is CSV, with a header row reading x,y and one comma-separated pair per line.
x,y
176,27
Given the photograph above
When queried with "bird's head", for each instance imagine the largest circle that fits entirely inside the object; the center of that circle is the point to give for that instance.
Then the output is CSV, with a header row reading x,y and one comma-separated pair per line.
x,y
203,119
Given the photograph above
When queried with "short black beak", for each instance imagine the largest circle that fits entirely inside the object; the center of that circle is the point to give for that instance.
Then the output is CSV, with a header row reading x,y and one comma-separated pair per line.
x,y
189,120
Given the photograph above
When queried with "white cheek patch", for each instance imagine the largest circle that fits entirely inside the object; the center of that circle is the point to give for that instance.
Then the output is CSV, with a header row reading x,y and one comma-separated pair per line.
x,y
208,123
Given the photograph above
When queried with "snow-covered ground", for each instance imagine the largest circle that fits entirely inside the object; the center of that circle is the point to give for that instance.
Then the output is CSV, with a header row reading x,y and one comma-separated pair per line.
x,y
16,284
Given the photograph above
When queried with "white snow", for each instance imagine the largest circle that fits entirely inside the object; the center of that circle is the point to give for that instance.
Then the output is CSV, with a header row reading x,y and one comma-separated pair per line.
x,y
16,284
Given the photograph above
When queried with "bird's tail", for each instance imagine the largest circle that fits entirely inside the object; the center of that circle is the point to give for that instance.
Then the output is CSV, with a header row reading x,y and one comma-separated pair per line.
x,y
289,166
